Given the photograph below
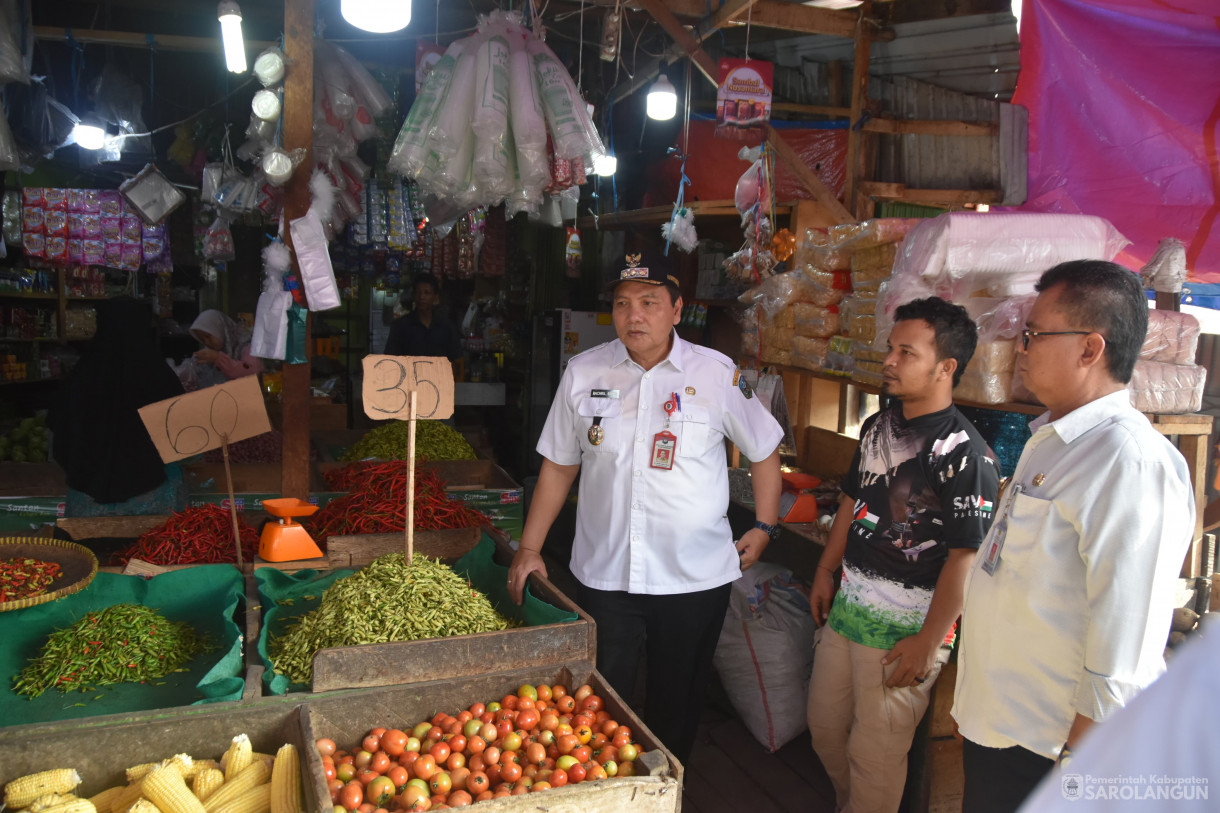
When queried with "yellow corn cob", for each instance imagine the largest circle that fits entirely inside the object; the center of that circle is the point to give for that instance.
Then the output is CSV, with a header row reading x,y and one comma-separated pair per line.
x,y
239,755
255,773
105,799
207,781
129,795
142,805
269,759
252,800
198,766
49,800
183,762
73,805
286,780
166,788
23,790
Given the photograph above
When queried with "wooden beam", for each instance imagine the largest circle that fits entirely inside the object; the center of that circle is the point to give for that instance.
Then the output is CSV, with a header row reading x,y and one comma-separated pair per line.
x,y
929,127
788,107
706,65
776,14
132,39
859,93
297,126
933,197
806,176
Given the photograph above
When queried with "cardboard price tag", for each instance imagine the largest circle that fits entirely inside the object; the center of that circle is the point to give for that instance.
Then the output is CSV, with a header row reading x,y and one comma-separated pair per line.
x,y
196,422
389,381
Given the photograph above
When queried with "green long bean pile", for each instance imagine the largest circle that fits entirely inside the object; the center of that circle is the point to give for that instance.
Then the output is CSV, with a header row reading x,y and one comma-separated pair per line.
x,y
125,643
386,601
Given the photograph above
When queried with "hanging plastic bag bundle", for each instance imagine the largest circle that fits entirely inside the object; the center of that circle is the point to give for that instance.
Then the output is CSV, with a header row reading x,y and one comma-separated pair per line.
x,y
453,118
410,148
452,175
270,337
562,105
528,119
490,119
313,255
368,91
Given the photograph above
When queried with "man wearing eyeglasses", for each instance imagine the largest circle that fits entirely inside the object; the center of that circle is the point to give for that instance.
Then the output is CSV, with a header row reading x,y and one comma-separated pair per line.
x,y
1068,605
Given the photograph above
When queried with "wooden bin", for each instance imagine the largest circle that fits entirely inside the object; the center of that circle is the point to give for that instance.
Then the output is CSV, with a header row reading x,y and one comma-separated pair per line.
x,y
461,656
346,717
102,748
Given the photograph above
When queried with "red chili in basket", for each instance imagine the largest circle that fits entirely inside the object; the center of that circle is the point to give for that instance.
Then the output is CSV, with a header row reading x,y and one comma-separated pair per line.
x,y
24,577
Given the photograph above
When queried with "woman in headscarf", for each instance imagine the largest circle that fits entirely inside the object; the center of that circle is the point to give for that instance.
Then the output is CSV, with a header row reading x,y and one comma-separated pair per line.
x,y
225,354
112,466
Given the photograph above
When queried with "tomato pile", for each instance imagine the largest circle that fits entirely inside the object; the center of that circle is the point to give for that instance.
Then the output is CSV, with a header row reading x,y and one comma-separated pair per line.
x,y
539,738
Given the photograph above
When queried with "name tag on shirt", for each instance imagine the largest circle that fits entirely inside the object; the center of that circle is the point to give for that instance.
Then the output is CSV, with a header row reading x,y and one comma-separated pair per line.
x,y
603,394
999,532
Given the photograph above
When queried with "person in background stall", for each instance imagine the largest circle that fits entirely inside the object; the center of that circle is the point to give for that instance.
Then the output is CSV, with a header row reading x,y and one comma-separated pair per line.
x,y
98,438
424,330
643,420
916,504
225,354
1069,603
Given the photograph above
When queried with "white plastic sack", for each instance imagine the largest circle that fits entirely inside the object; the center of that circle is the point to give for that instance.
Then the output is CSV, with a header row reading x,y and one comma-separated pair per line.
x,y
313,260
490,118
527,117
270,337
565,110
453,118
765,654
410,151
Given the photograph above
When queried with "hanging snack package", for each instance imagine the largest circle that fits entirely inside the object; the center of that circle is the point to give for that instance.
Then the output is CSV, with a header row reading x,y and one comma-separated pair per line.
x,y
410,148
151,194
218,241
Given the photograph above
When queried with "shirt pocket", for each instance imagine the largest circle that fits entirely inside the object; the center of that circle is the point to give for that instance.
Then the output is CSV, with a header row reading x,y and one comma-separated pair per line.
x,y
697,433
1026,525
610,413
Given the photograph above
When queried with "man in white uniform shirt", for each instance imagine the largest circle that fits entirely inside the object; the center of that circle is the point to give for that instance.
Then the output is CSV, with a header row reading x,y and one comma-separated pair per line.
x,y
643,419
1069,602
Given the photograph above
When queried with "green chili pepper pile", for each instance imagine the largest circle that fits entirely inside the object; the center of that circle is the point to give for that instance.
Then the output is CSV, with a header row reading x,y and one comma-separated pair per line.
x,y
433,441
125,643
386,601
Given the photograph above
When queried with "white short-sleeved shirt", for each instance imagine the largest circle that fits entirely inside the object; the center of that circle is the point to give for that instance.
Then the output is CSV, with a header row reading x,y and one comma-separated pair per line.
x,y
643,529
1074,620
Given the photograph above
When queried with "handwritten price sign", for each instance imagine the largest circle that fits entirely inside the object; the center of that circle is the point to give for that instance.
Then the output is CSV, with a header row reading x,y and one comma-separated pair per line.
x,y
198,421
390,380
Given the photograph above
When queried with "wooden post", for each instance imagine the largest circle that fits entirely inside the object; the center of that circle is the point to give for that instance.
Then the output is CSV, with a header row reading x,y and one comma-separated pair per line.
x,y
224,447
297,133
859,95
409,520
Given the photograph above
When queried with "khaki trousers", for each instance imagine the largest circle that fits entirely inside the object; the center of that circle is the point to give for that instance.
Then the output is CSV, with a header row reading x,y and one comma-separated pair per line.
x,y
862,730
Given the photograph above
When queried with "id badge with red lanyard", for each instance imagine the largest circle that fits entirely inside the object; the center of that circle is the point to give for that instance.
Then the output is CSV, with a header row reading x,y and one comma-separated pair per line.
x,y
664,443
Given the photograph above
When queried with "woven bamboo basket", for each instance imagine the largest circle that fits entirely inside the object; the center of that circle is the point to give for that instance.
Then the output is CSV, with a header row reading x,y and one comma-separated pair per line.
x,y
77,565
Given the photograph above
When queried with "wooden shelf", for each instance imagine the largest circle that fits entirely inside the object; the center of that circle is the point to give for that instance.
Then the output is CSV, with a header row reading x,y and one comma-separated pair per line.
x,y
657,215
27,295
4,339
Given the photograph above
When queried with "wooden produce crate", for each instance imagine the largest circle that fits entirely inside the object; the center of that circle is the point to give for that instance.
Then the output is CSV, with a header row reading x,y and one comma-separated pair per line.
x,y
102,748
346,717
358,550
462,655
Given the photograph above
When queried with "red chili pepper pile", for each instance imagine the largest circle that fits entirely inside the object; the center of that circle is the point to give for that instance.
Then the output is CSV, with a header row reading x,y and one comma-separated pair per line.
x,y
376,502
202,535
21,578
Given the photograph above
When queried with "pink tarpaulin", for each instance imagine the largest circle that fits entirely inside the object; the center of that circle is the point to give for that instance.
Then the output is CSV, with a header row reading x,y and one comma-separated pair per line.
x,y
1124,114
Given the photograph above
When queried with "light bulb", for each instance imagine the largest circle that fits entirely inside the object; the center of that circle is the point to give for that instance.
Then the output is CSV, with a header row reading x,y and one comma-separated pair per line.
x,y
662,100
605,165
230,34
89,136
377,16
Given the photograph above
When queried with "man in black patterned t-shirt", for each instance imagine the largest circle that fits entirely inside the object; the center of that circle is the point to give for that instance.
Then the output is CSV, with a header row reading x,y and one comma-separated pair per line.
x,y
916,504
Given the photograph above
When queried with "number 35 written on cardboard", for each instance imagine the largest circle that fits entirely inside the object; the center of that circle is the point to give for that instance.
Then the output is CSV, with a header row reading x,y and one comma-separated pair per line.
x,y
390,380
202,420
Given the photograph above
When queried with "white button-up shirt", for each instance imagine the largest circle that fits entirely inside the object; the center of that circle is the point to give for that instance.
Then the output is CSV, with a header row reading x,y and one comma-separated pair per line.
x,y
1094,527
643,529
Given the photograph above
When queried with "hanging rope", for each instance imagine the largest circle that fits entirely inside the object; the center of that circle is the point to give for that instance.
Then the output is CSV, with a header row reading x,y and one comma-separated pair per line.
x,y
749,14
437,37
152,68
580,51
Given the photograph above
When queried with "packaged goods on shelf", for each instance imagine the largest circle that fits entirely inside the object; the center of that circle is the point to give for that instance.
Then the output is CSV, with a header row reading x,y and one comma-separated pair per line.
x,y
863,328
809,353
864,352
1167,388
874,262
776,354
867,372
781,290
814,322
984,388
1173,337
839,358
994,357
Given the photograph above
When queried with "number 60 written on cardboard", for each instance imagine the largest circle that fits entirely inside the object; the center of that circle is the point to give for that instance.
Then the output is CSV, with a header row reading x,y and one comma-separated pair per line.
x,y
198,421
390,380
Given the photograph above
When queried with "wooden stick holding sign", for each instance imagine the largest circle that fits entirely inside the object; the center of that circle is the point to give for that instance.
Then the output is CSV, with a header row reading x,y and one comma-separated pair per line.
x,y
206,419
409,523
408,388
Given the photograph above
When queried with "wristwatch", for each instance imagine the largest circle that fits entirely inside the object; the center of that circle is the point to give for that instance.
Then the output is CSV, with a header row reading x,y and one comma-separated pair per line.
x,y
770,530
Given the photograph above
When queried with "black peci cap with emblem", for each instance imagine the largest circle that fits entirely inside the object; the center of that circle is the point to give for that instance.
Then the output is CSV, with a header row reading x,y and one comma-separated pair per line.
x,y
650,270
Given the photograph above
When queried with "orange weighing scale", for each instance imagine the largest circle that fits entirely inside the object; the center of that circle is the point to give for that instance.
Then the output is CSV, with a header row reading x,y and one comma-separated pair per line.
x,y
285,540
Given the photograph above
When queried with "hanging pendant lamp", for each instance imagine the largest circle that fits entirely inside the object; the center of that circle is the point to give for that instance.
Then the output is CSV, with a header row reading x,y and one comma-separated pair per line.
x,y
662,100
377,16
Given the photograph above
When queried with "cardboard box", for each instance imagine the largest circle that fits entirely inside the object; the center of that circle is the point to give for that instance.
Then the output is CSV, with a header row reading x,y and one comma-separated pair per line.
x,y
24,515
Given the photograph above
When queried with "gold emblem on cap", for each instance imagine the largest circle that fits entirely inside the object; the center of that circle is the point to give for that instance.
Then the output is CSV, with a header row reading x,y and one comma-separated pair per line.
x,y
596,435
690,390
1039,479
634,270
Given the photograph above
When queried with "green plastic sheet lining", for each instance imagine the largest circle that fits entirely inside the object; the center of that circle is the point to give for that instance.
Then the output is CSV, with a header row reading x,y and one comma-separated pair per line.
x,y
489,578
205,596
